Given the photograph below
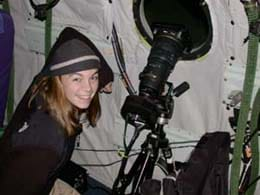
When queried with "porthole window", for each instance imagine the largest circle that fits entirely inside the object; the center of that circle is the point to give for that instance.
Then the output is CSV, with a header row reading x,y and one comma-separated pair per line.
x,y
194,15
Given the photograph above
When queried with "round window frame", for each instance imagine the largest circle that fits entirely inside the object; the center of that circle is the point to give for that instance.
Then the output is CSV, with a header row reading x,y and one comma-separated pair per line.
x,y
146,33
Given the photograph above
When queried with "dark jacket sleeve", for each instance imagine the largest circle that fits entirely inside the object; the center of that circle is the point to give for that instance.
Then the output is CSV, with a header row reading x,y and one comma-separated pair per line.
x,y
26,171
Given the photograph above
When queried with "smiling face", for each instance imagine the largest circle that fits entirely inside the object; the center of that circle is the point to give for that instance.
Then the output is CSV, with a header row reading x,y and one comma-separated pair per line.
x,y
80,87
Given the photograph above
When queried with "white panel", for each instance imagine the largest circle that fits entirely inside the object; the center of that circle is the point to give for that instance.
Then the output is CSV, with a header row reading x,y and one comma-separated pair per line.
x,y
35,38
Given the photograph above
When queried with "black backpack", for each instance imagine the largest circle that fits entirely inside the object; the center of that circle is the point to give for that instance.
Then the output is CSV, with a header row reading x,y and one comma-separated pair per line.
x,y
206,172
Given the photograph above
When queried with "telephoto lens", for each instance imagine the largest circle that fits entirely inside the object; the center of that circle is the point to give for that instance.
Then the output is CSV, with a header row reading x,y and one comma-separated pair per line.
x,y
167,48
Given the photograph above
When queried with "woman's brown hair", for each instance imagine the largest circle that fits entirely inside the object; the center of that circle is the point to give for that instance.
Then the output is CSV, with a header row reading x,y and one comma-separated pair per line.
x,y
58,106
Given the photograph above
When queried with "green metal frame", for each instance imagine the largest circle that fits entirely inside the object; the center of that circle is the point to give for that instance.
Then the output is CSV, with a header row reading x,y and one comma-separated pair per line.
x,y
252,14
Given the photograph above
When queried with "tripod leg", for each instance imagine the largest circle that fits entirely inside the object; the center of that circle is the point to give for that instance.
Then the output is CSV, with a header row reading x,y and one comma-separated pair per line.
x,y
124,180
167,154
141,170
145,171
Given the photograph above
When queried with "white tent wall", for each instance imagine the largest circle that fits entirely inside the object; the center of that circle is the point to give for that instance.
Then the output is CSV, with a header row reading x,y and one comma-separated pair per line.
x,y
201,109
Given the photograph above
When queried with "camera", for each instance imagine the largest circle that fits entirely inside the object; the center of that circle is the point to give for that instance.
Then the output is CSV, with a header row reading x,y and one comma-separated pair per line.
x,y
153,106
169,43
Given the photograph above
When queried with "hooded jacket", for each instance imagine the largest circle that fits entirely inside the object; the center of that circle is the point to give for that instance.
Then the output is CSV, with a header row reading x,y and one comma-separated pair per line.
x,y
34,147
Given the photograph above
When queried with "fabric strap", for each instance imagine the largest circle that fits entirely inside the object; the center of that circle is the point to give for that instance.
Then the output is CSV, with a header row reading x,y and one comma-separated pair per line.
x,y
254,124
252,13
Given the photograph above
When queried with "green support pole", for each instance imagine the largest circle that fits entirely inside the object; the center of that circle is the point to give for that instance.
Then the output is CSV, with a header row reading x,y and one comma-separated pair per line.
x,y
6,6
255,117
48,24
252,13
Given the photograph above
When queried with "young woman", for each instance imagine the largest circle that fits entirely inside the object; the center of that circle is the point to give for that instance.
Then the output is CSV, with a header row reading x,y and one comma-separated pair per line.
x,y
40,138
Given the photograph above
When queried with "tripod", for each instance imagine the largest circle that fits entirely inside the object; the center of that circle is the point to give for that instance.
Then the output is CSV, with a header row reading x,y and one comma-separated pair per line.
x,y
144,164
156,142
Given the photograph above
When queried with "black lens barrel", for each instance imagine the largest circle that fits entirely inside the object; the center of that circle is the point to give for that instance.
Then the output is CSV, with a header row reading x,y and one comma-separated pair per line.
x,y
166,50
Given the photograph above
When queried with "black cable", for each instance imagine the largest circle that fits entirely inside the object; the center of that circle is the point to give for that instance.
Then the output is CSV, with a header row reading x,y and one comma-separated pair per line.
x,y
187,146
124,134
120,61
118,49
126,154
134,154
108,164
184,142
100,165
95,150
116,150
100,150
253,182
